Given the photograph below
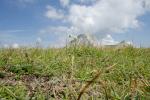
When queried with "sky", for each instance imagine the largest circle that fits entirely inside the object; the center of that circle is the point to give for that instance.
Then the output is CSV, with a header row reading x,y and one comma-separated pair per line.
x,y
50,22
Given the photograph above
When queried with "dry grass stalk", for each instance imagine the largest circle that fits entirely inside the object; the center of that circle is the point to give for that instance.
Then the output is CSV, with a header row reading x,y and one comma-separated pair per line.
x,y
88,84
93,80
133,88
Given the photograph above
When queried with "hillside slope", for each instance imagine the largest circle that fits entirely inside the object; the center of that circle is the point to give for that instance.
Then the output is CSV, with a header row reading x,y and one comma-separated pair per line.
x,y
46,74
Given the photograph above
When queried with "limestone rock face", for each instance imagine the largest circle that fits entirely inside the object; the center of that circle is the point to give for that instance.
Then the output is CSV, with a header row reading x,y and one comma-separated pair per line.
x,y
119,45
82,39
89,40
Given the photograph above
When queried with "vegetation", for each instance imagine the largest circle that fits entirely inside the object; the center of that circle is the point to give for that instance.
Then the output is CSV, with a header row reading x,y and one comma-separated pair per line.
x,y
83,73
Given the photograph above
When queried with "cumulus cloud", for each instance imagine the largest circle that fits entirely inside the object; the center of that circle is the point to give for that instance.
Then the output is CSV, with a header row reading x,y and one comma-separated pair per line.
x,y
6,46
104,16
64,3
39,40
147,4
108,40
52,13
60,34
101,17
129,43
15,45
59,30
107,16
87,1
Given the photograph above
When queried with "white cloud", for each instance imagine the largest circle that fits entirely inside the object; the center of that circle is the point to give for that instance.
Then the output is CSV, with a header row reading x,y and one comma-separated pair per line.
x,y
6,46
60,34
55,30
88,1
52,13
15,46
147,4
129,43
101,17
59,30
59,42
107,16
39,40
64,3
108,40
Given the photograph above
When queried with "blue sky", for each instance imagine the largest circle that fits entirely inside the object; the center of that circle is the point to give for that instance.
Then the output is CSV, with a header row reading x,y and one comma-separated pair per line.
x,y
24,22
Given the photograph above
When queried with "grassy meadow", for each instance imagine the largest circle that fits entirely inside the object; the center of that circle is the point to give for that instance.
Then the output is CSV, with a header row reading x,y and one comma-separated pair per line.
x,y
75,73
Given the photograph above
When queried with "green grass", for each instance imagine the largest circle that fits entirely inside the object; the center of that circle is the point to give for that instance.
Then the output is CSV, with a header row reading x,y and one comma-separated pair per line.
x,y
47,74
